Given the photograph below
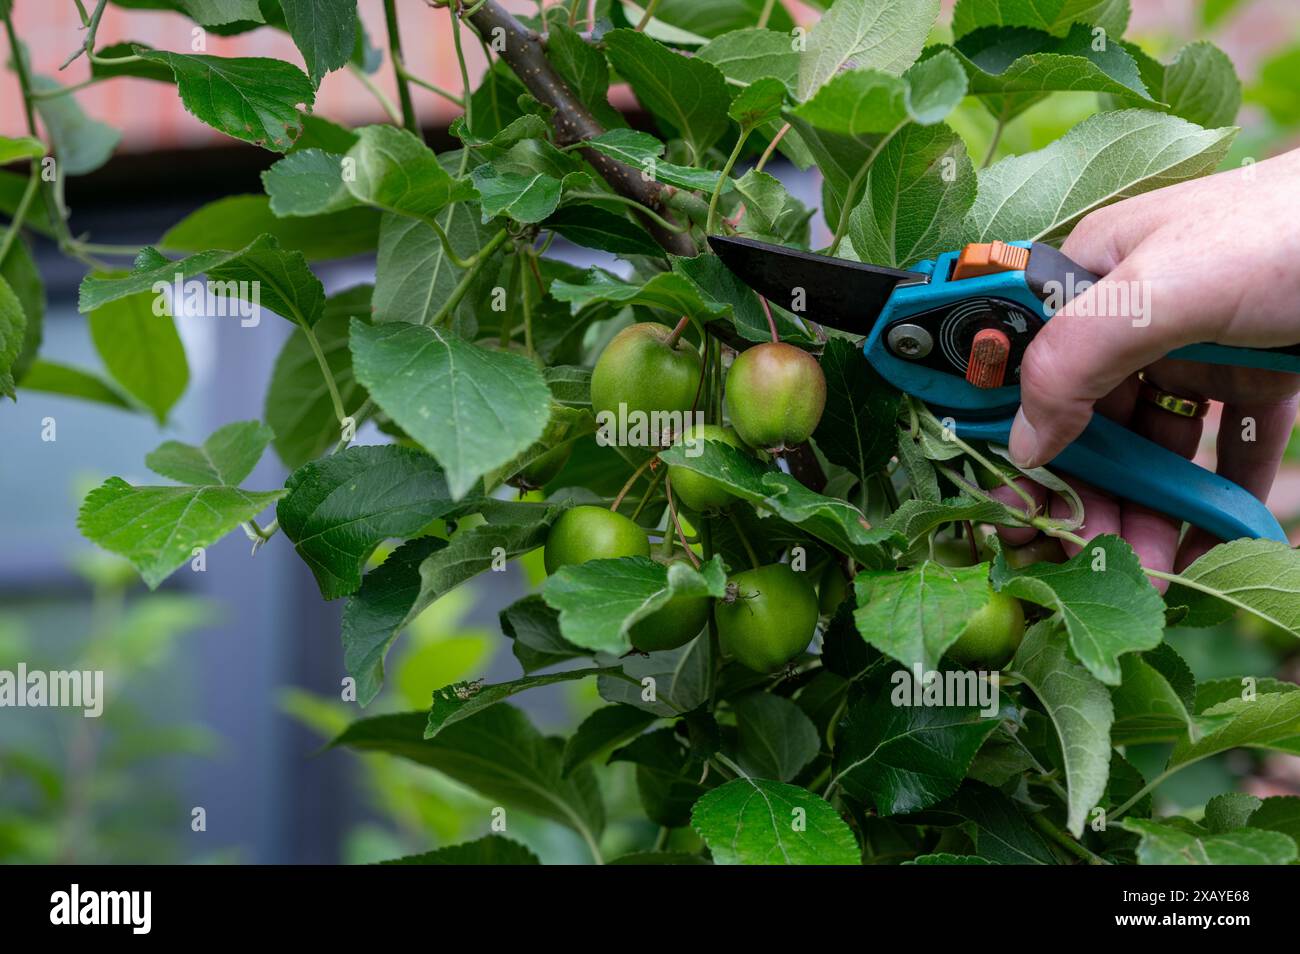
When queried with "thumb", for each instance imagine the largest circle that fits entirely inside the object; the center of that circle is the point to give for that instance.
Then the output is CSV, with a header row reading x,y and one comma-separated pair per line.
x,y
1085,351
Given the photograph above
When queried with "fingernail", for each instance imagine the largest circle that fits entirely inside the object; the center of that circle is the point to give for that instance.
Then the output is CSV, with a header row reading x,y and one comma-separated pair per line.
x,y
1024,442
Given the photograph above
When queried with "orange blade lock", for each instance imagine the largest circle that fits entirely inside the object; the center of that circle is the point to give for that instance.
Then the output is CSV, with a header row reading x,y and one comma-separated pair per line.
x,y
988,358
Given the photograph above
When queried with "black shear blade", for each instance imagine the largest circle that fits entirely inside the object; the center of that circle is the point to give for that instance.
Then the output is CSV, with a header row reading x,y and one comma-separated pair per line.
x,y
832,291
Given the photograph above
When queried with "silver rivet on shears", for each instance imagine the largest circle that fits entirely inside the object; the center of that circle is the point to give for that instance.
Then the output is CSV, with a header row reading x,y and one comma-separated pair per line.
x,y
910,341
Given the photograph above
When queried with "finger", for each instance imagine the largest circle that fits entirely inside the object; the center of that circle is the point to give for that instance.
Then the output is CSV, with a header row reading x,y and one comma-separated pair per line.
x,y
1101,513
1019,536
1083,353
1252,440
1154,535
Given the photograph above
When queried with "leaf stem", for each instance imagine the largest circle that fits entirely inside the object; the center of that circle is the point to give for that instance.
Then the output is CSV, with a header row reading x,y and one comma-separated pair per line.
x,y
646,17
771,147
771,322
842,228
1041,822
466,91
630,482
722,179
641,207
388,106
425,84
744,540
993,143
88,46
672,512
766,14
335,398
462,286
409,119
20,213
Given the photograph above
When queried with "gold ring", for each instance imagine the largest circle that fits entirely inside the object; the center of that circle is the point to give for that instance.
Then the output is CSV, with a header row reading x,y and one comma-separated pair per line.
x,y
1169,401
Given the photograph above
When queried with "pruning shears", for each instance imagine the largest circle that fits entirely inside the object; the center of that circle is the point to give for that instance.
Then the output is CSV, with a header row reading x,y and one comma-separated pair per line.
x,y
952,332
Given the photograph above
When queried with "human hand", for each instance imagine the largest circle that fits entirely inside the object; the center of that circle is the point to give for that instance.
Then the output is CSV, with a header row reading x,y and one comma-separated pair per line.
x,y
1216,261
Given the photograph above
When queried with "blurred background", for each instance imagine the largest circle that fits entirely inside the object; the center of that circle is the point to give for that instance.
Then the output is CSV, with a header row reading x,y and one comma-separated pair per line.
x,y
224,685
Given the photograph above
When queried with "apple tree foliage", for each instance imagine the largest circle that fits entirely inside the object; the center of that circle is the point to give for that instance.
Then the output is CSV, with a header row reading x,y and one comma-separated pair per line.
x,y
470,356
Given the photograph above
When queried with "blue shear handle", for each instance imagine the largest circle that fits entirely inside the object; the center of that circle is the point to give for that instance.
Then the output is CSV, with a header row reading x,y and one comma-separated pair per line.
x,y
1114,459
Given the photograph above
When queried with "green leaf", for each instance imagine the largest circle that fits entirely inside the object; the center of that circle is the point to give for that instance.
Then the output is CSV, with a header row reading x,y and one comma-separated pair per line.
x,y
413,577
534,629
584,71
221,12
916,518
473,409
1166,844
339,508
726,295
225,459
1000,832
235,221
1147,707
867,34
158,528
1015,66
141,351
1230,811
1054,16
775,739
758,103
829,519
524,198
396,172
755,821
1080,709
600,600
847,123
688,94
325,32
49,377
1103,597
917,195
902,757
250,98
913,616
668,292
81,144
414,275
715,17
594,227
668,684
1259,576
498,753
373,618
298,406
488,850
643,150
667,776
857,428
1280,813
751,54
1106,158
13,325
771,212
307,182
23,147
453,703
1200,85
944,858
605,728
19,270
262,274
1261,722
